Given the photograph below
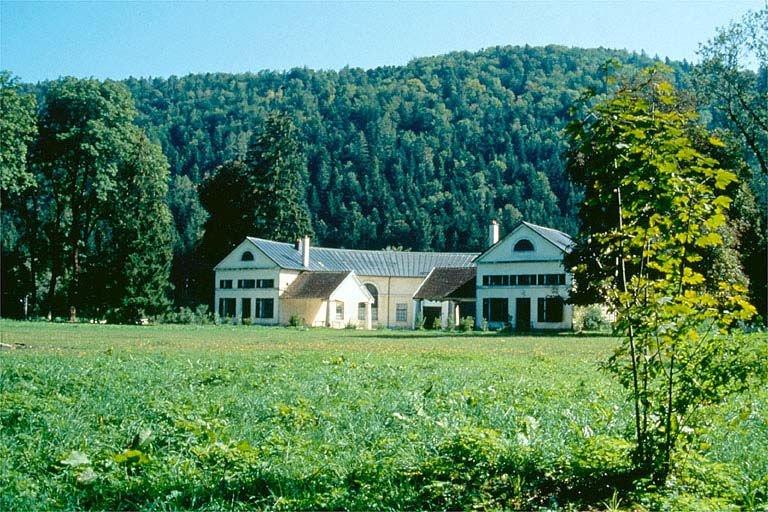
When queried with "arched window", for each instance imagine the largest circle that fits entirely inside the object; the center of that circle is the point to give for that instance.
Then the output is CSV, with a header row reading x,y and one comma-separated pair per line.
x,y
523,245
247,256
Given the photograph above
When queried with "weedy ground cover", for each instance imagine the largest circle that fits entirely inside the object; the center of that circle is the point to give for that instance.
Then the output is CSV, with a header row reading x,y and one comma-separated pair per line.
x,y
233,417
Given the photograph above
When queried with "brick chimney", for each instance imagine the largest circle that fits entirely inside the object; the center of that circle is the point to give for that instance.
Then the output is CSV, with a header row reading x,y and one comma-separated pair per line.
x,y
493,233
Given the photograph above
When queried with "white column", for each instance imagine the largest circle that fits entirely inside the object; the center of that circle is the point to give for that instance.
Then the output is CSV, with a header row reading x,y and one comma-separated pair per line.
x,y
368,316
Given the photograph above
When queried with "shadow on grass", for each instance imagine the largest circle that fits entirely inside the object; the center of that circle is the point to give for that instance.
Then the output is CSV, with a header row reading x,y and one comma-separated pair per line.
x,y
495,335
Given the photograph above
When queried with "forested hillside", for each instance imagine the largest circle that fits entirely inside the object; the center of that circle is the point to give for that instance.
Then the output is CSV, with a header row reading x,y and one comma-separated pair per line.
x,y
417,157
421,157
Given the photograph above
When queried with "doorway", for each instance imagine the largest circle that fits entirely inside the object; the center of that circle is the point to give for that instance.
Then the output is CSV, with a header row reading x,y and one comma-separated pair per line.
x,y
523,315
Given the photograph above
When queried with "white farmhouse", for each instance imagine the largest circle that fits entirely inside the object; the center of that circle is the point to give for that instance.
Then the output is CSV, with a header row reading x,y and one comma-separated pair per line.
x,y
267,282
521,280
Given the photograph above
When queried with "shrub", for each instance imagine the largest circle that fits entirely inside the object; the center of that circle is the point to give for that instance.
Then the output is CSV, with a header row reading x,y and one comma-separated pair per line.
x,y
419,321
467,324
590,318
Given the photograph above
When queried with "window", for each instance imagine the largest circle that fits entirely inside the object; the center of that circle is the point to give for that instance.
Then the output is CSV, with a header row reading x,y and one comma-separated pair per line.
x,y
247,256
245,308
225,284
551,310
496,310
339,311
265,283
401,313
265,308
526,280
523,245
552,279
227,308
246,283
361,311
375,306
497,280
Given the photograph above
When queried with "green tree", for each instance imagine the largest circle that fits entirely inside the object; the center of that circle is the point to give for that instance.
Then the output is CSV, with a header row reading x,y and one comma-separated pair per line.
x,y
143,233
83,127
733,77
652,210
189,219
276,170
224,195
18,128
101,202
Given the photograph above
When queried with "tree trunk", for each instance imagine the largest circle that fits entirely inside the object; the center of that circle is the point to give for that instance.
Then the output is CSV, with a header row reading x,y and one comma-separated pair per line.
x,y
74,293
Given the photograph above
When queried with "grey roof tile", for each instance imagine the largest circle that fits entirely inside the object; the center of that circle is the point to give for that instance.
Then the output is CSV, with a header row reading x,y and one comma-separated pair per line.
x,y
314,285
562,240
448,283
362,262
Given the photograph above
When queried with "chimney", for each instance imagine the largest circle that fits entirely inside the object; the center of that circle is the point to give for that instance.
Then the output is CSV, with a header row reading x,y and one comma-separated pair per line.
x,y
305,251
493,233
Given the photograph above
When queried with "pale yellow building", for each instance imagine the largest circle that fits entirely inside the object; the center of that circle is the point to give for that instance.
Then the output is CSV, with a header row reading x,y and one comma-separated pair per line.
x,y
268,283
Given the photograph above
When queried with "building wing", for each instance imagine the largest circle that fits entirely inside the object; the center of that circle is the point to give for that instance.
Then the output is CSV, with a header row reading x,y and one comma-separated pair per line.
x,y
448,283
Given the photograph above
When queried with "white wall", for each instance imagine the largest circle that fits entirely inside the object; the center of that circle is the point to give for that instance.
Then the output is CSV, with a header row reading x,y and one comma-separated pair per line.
x,y
502,259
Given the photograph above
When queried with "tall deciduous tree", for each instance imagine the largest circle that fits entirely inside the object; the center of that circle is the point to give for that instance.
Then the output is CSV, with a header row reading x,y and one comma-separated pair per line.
x,y
652,210
224,195
17,130
733,76
18,127
101,200
83,128
276,170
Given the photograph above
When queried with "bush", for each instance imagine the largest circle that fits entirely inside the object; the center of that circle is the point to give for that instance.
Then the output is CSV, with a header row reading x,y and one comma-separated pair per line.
x,y
467,324
296,321
590,318
419,321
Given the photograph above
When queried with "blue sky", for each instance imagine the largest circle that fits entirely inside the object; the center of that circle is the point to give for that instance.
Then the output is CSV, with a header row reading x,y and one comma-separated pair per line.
x,y
118,39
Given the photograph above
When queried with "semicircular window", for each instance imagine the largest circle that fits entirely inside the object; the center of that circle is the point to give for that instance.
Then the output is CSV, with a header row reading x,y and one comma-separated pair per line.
x,y
247,256
523,245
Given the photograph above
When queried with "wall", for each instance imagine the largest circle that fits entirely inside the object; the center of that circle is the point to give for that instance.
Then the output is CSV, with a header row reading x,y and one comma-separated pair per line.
x,y
393,291
502,259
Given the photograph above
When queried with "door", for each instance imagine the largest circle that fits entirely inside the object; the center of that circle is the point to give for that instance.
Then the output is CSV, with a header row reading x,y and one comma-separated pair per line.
x,y
432,314
523,314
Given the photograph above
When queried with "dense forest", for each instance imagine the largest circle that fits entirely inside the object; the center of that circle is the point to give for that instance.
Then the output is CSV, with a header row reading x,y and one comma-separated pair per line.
x,y
421,157
416,157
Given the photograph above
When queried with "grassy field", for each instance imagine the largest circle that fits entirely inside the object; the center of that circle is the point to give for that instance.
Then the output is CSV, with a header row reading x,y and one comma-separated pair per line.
x,y
222,417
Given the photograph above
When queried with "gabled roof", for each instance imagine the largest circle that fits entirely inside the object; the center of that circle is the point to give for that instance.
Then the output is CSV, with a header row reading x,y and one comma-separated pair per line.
x,y
363,263
314,285
561,240
448,283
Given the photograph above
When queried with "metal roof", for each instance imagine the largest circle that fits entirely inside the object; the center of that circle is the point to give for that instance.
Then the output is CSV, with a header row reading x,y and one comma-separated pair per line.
x,y
363,263
562,240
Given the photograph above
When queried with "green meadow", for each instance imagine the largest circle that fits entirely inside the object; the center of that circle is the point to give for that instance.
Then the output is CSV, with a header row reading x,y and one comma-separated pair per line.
x,y
105,417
